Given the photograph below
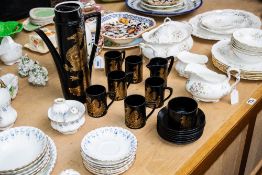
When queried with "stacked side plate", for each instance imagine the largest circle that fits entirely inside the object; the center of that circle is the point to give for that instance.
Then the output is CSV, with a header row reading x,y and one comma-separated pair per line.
x,y
169,132
108,150
26,151
247,42
162,5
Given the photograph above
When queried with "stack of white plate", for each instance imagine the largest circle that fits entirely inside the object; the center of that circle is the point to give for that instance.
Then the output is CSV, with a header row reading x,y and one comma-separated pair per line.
x,y
162,5
108,150
41,16
26,151
220,24
247,44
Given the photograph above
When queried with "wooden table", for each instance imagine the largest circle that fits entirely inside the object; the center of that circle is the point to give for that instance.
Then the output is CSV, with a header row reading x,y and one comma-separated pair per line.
x,y
154,155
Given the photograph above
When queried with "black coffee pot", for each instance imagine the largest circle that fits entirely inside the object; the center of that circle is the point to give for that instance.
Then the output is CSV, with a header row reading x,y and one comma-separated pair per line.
x,y
72,63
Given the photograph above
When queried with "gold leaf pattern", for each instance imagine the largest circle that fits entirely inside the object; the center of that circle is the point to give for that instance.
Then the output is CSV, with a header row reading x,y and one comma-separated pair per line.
x,y
133,119
96,108
75,91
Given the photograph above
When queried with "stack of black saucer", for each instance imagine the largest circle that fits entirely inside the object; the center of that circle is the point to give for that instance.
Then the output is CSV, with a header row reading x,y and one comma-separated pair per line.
x,y
173,133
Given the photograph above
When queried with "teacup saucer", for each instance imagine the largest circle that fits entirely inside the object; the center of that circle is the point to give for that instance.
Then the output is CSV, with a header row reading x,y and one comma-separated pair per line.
x,y
167,130
165,122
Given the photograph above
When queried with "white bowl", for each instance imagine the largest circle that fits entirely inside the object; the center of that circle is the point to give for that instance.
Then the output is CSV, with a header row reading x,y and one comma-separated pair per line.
x,y
27,142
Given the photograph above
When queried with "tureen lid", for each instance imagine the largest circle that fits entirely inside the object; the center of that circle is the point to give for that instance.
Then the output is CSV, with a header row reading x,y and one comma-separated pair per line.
x,y
169,32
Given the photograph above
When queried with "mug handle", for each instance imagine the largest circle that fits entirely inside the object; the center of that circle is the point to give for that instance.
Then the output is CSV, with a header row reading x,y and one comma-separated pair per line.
x,y
97,34
152,111
170,64
170,93
129,77
123,53
112,99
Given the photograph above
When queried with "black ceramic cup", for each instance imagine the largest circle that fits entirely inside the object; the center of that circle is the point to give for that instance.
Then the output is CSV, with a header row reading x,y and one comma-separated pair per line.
x,y
135,111
159,67
155,92
118,83
134,64
182,111
114,60
96,101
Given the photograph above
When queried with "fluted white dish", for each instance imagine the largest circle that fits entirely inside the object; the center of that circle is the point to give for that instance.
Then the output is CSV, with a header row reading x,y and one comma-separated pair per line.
x,y
27,142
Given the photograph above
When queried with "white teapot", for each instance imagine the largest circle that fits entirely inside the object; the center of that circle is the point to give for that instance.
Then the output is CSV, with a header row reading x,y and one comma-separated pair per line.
x,y
207,85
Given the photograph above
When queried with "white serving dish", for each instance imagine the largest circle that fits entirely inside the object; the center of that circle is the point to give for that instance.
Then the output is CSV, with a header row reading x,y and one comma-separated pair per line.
x,y
165,50
69,172
32,143
250,20
113,17
170,32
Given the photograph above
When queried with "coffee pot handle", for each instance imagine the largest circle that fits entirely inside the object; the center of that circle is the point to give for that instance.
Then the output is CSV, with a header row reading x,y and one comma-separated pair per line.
x,y
237,75
170,64
97,34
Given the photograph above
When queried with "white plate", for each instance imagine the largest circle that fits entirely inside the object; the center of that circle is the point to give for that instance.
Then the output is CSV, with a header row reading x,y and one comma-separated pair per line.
x,y
109,144
250,19
111,172
223,52
27,142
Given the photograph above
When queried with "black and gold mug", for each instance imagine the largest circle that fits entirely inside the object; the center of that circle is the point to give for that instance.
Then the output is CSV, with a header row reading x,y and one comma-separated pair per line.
x,y
118,83
96,100
134,64
159,67
155,92
114,60
135,111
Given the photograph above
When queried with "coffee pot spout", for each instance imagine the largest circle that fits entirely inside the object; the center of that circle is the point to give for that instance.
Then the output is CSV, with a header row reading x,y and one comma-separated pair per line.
x,y
57,59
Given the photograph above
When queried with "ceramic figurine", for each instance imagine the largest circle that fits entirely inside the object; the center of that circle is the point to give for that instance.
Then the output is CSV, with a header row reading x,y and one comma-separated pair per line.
x,y
164,41
69,172
10,81
37,44
24,65
66,116
184,58
10,51
207,85
8,114
38,75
